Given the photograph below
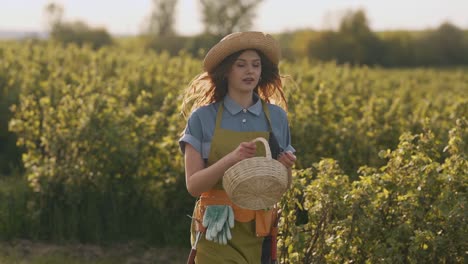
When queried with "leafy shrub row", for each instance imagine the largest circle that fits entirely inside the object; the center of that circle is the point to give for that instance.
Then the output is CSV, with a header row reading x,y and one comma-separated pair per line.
x,y
100,128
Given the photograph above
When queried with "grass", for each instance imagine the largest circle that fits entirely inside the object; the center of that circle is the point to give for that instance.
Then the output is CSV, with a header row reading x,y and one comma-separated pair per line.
x,y
13,191
28,252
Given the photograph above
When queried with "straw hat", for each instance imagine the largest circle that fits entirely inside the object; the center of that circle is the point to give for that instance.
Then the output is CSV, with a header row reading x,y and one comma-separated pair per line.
x,y
256,183
240,41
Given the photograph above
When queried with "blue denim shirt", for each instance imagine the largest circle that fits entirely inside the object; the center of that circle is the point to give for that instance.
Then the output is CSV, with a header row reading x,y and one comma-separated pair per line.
x,y
201,124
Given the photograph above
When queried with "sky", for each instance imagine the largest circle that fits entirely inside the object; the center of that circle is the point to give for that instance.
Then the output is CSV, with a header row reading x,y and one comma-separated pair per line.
x,y
273,16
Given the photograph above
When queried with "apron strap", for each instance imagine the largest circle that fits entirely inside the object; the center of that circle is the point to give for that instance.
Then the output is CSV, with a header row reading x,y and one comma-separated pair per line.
x,y
267,115
219,115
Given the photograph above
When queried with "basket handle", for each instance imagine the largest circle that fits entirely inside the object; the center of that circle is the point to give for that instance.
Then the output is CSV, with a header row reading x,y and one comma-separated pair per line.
x,y
265,143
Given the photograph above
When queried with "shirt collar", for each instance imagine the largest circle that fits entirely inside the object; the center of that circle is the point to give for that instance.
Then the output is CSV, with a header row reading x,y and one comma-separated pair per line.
x,y
234,108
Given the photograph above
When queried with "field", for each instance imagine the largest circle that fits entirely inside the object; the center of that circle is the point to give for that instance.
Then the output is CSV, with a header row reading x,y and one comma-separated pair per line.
x,y
381,175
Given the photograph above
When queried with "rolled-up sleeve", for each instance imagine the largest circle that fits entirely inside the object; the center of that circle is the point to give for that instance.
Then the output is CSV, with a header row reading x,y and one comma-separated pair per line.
x,y
285,137
288,145
193,133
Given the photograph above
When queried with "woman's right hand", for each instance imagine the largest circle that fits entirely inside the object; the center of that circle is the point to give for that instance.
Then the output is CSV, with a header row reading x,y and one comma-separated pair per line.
x,y
245,150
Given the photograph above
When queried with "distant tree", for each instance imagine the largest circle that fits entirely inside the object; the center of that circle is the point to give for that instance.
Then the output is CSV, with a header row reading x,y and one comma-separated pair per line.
x,y
54,15
399,49
288,52
448,46
354,42
300,41
358,40
223,17
74,32
162,19
198,45
327,46
355,23
80,33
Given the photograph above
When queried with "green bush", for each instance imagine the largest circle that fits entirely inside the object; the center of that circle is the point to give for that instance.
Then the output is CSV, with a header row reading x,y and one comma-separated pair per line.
x,y
412,210
101,144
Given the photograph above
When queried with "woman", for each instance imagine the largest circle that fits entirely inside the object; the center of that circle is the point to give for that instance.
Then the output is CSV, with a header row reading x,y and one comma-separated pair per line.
x,y
231,108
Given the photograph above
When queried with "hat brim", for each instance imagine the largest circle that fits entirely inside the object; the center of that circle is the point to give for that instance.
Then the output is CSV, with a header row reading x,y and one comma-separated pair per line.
x,y
241,41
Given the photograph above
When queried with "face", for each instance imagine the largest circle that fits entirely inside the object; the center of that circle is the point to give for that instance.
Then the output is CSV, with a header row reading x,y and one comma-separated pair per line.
x,y
245,72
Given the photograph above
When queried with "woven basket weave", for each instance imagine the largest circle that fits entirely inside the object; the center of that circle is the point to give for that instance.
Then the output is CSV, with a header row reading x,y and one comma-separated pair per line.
x,y
256,183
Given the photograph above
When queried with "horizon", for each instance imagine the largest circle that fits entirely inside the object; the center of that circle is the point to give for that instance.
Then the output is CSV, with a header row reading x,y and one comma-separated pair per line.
x,y
127,18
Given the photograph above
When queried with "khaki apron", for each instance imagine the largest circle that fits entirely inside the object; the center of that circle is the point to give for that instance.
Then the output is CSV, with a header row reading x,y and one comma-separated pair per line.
x,y
250,226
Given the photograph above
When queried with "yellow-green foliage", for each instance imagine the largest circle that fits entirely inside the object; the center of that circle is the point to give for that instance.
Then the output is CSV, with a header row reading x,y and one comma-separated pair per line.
x,y
381,173
350,113
412,210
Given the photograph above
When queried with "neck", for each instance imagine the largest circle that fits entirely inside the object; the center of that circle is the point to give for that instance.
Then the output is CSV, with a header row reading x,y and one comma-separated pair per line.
x,y
243,99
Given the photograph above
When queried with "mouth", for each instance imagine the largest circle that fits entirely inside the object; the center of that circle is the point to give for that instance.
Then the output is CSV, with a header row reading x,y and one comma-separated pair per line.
x,y
248,80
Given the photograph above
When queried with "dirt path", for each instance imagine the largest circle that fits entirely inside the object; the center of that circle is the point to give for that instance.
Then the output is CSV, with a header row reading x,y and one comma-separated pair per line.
x,y
29,252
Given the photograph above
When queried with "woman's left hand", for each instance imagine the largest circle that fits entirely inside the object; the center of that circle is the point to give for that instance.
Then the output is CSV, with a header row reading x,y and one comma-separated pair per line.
x,y
287,158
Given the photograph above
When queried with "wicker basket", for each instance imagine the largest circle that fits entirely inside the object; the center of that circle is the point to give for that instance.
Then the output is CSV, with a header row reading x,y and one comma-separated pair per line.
x,y
256,183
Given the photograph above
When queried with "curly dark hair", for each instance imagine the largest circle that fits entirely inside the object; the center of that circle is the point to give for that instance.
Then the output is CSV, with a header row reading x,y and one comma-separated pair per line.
x,y
210,87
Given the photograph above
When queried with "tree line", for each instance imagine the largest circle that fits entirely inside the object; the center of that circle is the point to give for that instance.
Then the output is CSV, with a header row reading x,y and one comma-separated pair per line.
x,y
353,42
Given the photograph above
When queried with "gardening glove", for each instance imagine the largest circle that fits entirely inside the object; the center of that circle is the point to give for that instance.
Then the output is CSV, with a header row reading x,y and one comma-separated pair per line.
x,y
224,235
218,220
